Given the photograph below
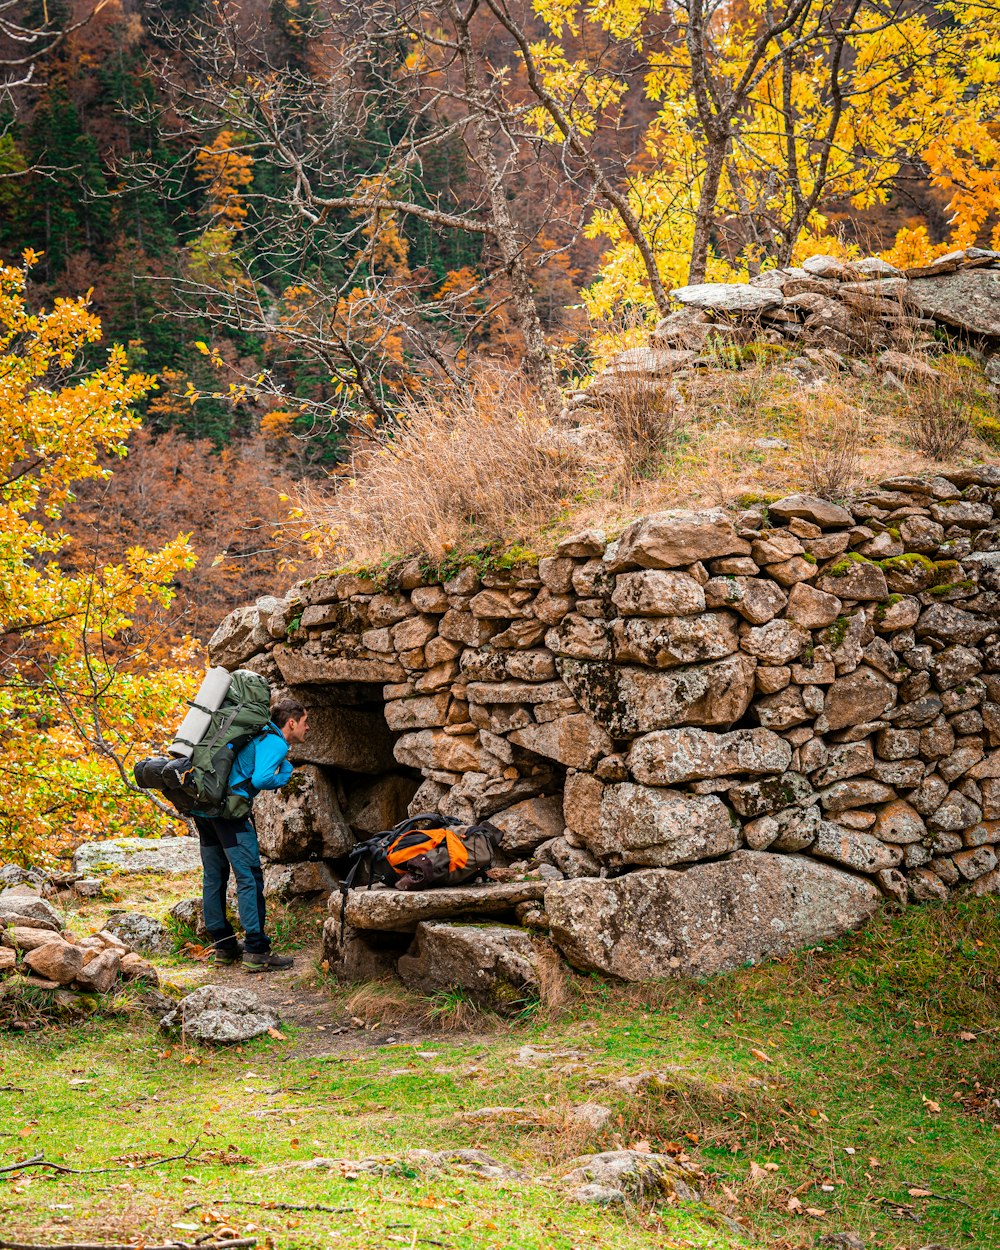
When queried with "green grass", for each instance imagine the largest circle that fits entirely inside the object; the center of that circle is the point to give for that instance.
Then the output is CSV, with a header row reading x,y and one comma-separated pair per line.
x,y
839,1079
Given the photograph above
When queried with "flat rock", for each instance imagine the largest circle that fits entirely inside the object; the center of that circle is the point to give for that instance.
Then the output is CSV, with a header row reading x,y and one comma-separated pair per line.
x,y
221,1013
310,666
668,756
729,297
30,911
139,932
811,508
403,910
705,919
632,1173
494,964
666,540
854,849
138,855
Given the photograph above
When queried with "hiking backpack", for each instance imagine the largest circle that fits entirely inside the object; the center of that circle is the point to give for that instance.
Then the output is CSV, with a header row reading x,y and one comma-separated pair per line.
x,y
200,782
421,853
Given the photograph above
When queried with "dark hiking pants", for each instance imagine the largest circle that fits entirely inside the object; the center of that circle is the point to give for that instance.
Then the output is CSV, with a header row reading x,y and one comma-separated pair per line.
x,y
225,845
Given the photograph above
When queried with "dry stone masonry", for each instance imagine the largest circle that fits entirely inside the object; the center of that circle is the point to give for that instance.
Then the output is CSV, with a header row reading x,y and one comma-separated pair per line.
x,y
830,313
714,739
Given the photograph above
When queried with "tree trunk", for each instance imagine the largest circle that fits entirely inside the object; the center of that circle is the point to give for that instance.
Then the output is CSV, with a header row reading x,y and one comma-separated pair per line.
x,y
715,158
538,359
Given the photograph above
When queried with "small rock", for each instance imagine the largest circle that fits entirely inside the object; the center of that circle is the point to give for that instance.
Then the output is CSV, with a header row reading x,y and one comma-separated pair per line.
x,y
592,1115
30,911
633,1173
100,973
219,1013
598,1195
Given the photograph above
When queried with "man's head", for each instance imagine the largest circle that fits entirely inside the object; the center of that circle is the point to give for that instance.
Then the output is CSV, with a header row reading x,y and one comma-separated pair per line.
x,y
292,719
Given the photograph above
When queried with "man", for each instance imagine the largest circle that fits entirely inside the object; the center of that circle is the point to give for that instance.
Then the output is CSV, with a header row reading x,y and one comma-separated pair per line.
x,y
232,844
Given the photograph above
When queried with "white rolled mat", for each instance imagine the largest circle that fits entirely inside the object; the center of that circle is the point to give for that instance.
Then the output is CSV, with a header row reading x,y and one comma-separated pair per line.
x,y
209,698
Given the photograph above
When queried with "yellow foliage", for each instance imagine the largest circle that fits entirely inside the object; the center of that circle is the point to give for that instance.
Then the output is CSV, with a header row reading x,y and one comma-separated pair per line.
x,y
912,89
228,172
76,696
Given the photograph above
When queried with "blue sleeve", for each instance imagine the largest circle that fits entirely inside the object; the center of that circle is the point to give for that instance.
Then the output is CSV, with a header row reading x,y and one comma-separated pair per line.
x,y
271,768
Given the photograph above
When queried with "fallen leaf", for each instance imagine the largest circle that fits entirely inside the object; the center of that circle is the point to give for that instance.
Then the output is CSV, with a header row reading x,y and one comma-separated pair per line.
x,y
794,1205
759,1054
757,1173
919,1193
967,1037
276,1034
932,1106
815,1212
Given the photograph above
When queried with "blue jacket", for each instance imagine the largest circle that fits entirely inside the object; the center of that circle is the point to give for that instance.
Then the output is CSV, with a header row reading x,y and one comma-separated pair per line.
x,y
262,764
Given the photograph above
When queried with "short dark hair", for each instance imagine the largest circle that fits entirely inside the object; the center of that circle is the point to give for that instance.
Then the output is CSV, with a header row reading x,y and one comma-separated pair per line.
x,y
284,710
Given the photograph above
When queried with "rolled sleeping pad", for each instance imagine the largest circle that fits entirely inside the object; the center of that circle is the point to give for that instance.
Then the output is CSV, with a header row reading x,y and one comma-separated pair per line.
x,y
210,697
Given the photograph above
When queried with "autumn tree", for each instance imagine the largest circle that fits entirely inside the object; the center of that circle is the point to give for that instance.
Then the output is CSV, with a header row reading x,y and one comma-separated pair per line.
x,y
80,691
767,114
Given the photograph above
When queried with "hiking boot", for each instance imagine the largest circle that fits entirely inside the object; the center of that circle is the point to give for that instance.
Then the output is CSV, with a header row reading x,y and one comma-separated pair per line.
x,y
260,961
226,956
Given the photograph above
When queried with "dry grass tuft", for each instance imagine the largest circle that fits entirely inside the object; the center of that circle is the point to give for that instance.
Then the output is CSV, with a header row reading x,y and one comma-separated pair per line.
x,y
487,468
939,420
487,463
830,437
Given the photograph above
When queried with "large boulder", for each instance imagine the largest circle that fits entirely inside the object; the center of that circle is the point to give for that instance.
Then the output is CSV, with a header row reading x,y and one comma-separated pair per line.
x,y
307,879
495,965
968,299
221,1013
705,919
667,540
353,738
628,701
168,856
302,820
668,756
656,827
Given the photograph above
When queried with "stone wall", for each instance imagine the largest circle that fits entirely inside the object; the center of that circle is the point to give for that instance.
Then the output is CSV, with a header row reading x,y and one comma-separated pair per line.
x,y
864,316
712,740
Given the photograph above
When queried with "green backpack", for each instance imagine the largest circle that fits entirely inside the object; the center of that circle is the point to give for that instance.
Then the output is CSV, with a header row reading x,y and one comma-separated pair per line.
x,y
200,784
